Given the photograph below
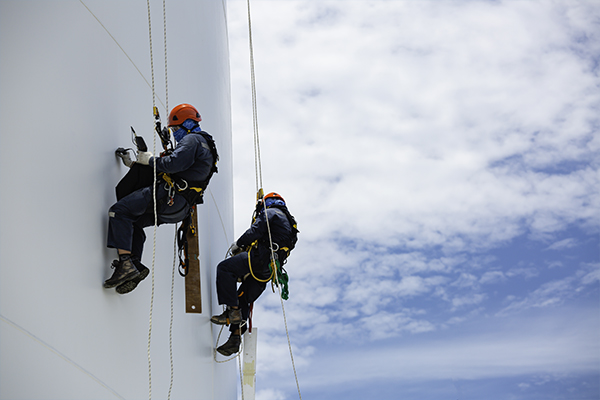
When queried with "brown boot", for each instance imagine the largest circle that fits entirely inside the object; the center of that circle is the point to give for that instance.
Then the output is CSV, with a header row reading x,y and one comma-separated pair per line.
x,y
129,285
229,316
124,271
231,346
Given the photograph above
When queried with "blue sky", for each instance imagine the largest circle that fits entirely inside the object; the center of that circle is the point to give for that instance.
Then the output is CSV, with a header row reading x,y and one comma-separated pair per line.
x,y
441,158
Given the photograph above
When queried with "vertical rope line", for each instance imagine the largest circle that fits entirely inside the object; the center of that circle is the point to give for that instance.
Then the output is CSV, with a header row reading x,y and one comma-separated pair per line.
x,y
289,342
241,374
175,241
258,169
155,213
257,163
171,325
165,44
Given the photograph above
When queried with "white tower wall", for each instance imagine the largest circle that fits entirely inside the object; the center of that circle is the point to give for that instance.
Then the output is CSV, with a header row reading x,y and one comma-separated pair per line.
x,y
68,94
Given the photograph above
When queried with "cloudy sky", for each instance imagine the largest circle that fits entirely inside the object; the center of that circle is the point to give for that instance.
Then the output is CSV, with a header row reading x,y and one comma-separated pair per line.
x,y
441,158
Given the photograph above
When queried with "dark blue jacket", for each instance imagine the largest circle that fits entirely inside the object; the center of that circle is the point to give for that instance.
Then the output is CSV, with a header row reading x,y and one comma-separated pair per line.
x,y
191,160
281,233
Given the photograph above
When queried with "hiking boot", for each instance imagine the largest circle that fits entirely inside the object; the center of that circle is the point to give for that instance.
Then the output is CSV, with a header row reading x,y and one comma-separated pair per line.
x,y
124,271
229,316
231,346
128,286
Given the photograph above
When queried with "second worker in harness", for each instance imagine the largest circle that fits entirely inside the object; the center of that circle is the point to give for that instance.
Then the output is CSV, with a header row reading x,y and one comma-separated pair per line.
x,y
250,264
182,176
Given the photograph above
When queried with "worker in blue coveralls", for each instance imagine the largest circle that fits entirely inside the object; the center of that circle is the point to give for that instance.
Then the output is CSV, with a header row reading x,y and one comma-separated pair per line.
x,y
254,274
188,167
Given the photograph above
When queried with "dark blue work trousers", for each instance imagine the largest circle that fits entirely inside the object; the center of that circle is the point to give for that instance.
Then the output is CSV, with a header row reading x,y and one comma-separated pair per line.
x,y
129,216
228,272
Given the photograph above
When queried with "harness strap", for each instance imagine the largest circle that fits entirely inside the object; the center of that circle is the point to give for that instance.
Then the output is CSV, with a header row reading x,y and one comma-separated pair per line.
x,y
193,191
255,243
277,271
182,243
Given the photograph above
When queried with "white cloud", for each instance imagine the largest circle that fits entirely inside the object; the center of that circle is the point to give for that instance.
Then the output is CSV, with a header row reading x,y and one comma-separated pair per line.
x,y
384,325
418,144
555,292
589,274
563,244
536,344
410,138
526,272
491,277
471,299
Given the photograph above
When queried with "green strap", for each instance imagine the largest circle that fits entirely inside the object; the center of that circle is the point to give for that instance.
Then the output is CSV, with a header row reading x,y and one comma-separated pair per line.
x,y
282,280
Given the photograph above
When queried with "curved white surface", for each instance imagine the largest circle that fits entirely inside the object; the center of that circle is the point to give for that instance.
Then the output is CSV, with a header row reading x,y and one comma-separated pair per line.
x,y
68,95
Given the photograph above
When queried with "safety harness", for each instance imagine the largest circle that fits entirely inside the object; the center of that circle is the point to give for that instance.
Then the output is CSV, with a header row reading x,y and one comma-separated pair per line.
x,y
280,255
193,193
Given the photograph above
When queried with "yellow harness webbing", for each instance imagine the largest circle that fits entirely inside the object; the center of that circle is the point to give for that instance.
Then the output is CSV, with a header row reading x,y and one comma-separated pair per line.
x,y
250,266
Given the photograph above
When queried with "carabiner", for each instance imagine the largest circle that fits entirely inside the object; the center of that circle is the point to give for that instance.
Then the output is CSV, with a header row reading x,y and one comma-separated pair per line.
x,y
182,188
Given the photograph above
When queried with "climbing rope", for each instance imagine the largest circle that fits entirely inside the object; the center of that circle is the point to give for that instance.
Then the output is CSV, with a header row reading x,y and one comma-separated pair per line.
x,y
165,46
223,228
237,355
155,213
154,199
171,323
241,375
257,162
289,342
259,186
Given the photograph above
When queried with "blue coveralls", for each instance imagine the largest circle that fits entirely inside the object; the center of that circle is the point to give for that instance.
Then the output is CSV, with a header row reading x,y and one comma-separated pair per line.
x,y
232,268
191,160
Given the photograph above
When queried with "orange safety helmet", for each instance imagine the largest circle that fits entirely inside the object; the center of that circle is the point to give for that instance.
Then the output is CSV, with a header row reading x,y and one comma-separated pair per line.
x,y
182,112
273,195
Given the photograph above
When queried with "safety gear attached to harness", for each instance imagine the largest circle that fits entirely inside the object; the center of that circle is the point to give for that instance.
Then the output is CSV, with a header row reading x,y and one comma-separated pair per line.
x,y
192,191
276,270
182,242
280,255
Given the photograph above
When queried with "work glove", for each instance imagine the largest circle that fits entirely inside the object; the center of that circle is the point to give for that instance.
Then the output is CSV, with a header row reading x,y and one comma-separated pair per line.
x,y
124,155
143,157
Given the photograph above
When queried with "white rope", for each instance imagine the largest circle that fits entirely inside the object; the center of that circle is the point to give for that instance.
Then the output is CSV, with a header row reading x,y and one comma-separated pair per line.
x,y
175,240
155,213
241,375
289,342
236,354
154,199
258,171
257,162
171,324
227,254
165,45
